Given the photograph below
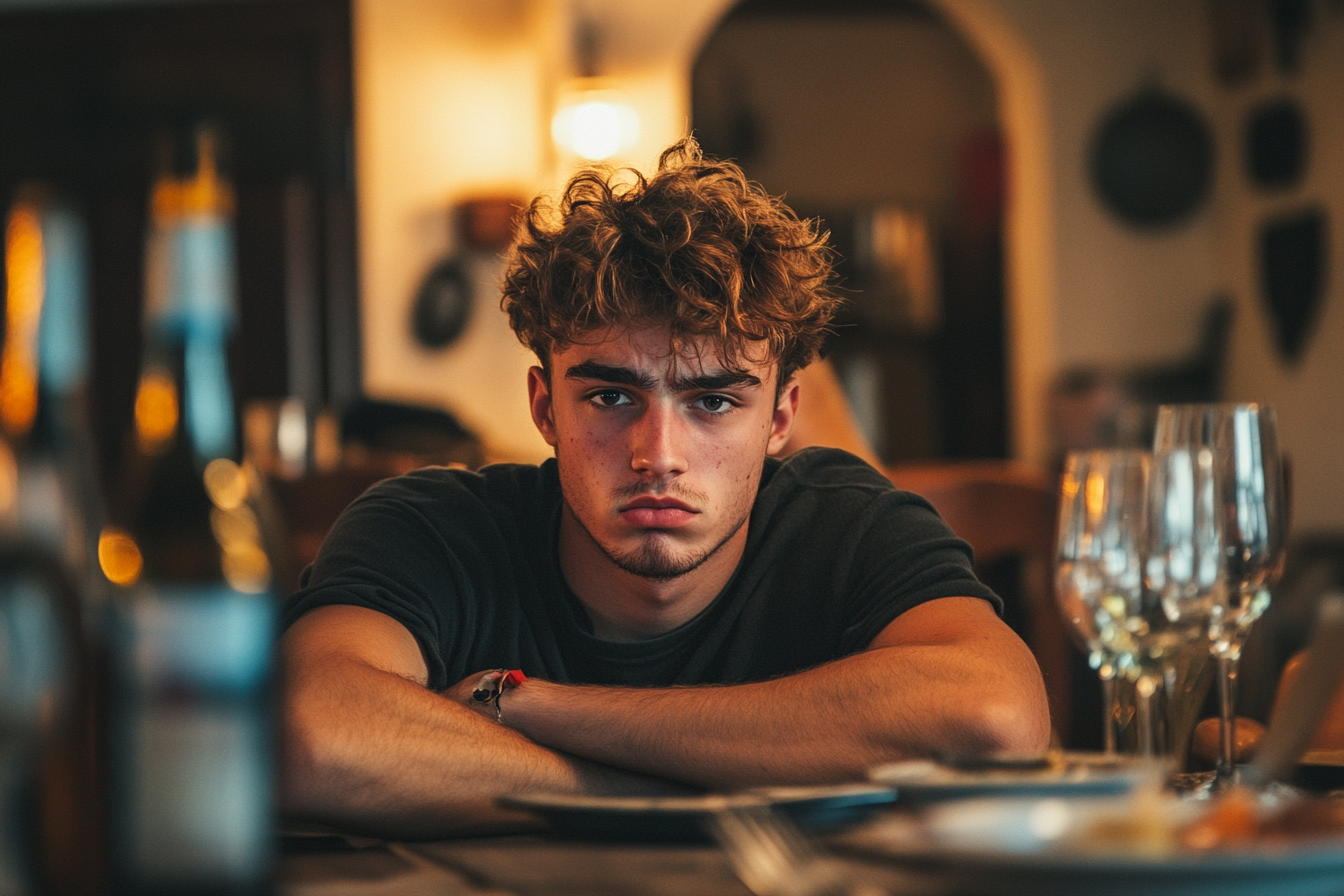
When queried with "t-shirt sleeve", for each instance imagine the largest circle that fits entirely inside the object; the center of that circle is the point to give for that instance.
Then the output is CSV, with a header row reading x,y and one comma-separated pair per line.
x,y
904,555
841,552
383,553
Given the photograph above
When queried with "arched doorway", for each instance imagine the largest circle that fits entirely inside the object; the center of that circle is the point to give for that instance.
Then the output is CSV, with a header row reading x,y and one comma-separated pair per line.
x,y
876,116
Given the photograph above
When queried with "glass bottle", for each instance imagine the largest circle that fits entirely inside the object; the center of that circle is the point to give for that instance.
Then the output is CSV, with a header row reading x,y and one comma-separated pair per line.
x,y
52,593
51,509
192,791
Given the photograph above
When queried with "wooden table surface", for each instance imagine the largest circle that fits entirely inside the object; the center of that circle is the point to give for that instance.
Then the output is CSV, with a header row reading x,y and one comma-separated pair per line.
x,y
529,865
518,865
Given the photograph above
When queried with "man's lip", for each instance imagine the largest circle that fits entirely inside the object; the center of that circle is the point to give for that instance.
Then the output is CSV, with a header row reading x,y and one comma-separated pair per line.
x,y
653,517
648,502
657,512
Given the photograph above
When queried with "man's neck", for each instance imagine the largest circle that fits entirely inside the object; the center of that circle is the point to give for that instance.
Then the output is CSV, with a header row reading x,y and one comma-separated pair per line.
x,y
623,606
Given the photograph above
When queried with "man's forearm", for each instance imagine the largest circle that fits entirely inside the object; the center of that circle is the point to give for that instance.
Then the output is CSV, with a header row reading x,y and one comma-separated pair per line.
x,y
826,724
370,751
814,727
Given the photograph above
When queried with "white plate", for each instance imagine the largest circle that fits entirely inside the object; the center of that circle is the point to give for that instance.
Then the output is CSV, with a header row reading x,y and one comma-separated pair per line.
x,y
683,817
919,782
1004,847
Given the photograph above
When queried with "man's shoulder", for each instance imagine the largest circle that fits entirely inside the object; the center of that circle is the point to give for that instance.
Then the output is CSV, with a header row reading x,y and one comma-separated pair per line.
x,y
495,479
443,493
829,484
818,467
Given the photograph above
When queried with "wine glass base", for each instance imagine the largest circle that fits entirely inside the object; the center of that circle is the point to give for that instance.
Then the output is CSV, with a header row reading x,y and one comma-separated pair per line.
x,y
1194,785
1207,785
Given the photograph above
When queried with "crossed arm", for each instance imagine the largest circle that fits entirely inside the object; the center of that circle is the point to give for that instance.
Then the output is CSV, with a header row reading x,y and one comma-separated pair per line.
x,y
368,748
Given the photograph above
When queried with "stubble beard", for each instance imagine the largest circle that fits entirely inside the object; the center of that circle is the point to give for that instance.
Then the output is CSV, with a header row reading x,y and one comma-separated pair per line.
x,y
655,559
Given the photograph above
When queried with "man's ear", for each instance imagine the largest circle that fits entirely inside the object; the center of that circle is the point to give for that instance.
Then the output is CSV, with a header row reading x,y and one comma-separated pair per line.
x,y
786,410
539,398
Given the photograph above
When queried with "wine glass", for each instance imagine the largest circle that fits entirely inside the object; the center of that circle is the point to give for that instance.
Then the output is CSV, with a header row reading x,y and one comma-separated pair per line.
x,y
1183,573
1237,444
1099,570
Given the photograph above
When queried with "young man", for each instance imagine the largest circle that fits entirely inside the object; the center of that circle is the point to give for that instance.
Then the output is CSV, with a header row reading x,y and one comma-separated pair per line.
x,y
685,611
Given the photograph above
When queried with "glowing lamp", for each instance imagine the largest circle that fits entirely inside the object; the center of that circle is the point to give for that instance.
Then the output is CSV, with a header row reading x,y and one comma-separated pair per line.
x,y
594,122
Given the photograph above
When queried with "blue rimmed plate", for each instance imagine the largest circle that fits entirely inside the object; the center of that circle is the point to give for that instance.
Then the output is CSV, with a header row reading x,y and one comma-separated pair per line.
x,y
682,818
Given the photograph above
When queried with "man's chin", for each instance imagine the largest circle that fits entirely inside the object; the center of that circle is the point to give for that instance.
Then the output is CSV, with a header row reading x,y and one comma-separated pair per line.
x,y
656,561
659,555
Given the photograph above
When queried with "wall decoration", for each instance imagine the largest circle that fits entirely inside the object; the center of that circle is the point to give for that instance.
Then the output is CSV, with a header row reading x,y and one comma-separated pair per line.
x,y
1276,144
486,226
1152,159
443,304
488,223
1291,20
1292,274
1236,28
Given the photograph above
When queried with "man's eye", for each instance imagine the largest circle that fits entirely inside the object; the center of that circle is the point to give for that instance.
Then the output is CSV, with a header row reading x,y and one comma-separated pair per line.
x,y
715,404
610,398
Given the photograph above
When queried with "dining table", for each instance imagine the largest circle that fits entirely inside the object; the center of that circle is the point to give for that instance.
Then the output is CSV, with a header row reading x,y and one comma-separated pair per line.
x,y
537,862
1034,832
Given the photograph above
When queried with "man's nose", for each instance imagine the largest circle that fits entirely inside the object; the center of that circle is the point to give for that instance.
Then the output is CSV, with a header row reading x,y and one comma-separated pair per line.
x,y
657,443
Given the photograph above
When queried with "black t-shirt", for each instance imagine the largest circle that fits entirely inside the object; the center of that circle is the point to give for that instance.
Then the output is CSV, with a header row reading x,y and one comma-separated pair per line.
x,y
467,563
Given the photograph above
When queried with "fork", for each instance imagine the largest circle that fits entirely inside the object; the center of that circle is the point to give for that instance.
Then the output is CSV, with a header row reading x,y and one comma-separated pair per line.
x,y
773,858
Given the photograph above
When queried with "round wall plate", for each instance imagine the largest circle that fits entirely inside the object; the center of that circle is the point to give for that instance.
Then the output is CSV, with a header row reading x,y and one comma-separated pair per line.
x,y
1152,159
443,304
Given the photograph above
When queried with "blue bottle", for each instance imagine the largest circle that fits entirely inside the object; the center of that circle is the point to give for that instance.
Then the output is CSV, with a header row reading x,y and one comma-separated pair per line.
x,y
192,804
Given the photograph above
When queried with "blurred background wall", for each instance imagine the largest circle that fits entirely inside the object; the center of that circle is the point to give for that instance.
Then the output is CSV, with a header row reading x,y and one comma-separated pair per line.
x,y
1082,287
452,101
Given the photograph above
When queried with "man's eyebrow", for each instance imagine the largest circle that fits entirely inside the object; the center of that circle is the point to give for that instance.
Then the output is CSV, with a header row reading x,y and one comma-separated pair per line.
x,y
609,373
624,376
710,382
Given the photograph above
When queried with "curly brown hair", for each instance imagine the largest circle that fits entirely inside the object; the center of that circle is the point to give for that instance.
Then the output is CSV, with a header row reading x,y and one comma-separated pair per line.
x,y
696,247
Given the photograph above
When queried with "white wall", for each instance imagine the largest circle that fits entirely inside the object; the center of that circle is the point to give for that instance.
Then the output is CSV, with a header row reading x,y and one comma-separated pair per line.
x,y
1123,295
447,102
1309,396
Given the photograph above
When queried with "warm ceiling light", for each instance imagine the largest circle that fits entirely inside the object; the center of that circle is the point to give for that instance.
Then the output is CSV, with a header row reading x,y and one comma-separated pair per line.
x,y
594,123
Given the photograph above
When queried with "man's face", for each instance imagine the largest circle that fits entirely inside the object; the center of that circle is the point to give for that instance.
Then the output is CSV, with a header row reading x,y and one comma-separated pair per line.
x,y
660,456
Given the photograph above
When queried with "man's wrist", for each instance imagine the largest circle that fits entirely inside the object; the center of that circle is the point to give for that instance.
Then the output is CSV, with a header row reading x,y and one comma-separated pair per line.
x,y
492,686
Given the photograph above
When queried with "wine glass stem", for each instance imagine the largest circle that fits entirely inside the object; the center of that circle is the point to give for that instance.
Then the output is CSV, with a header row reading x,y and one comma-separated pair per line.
x,y
1227,710
1110,711
1143,691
